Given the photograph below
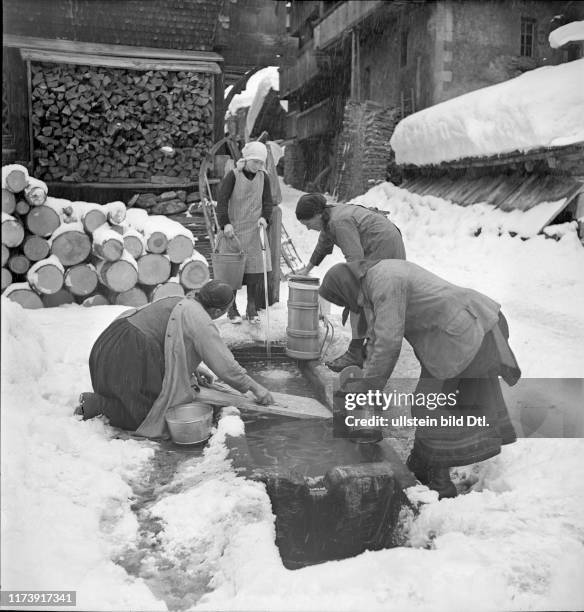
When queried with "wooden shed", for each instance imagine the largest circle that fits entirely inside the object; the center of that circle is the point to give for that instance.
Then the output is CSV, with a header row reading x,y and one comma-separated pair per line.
x,y
95,90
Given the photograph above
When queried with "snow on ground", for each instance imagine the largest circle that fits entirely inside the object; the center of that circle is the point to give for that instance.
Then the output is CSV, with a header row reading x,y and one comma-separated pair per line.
x,y
540,108
514,542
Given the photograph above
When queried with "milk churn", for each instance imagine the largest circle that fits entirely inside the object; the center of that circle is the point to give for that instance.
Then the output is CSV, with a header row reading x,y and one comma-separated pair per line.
x,y
302,331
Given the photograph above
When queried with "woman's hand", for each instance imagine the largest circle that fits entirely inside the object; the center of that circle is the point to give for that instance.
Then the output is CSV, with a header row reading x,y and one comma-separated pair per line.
x,y
204,375
303,271
229,231
262,395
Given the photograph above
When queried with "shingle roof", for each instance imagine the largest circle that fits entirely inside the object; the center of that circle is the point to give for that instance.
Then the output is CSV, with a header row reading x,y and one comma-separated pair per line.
x,y
169,24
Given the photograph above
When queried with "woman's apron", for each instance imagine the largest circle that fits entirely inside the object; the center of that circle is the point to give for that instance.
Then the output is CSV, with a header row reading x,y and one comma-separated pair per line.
x,y
244,210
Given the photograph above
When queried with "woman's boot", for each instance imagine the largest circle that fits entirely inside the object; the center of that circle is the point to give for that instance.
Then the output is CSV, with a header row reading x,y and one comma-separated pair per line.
x,y
251,310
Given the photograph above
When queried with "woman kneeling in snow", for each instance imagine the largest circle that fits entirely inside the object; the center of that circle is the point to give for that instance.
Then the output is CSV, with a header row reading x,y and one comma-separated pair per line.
x,y
460,338
141,365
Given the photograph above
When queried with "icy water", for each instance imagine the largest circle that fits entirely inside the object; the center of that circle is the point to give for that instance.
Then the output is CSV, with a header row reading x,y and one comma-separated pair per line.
x,y
274,442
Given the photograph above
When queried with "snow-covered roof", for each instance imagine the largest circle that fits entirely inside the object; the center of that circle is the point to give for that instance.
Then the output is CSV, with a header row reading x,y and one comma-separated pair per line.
x,y
571,32
271,80
540,108
246,97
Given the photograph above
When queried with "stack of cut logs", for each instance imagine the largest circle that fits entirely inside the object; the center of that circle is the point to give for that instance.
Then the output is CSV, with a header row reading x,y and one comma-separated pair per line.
x,y
167,203
55,251
93,123
363,151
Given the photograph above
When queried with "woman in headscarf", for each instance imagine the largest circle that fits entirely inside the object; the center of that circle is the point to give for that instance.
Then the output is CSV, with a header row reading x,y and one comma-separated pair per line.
x,y
360,233
244,203
142,363
460,338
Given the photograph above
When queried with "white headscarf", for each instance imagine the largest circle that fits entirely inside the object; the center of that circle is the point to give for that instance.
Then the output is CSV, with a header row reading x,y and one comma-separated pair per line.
x,y
253,150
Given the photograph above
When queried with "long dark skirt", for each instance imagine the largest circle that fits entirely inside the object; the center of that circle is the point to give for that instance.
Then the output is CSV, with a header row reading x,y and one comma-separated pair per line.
x,y
127,369
478,395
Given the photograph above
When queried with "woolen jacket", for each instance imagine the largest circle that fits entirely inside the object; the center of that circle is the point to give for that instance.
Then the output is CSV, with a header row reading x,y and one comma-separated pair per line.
x,y
189,336
360,233
444,323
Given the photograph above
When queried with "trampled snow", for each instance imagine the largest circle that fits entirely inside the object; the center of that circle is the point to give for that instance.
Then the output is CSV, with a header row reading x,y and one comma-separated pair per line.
x,y
513,542
540,108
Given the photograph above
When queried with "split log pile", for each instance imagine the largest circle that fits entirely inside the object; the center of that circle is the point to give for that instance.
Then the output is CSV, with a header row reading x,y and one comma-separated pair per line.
x,y
63,252
167,203
103,123
363,151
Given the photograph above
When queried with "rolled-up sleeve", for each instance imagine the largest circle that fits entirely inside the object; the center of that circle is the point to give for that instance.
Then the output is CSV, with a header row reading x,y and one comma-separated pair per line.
x,y
213,351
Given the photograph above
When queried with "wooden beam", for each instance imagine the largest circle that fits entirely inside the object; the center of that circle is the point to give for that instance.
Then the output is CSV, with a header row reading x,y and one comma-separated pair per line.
x,y
275,240
71,46
218,106
30,128
134,63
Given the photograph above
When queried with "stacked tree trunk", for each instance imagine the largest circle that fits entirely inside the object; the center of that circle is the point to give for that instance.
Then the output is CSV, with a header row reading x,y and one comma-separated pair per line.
x,y
102,123
60,252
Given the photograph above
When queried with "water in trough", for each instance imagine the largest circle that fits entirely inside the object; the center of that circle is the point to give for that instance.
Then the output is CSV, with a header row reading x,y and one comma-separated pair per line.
x,y
332,498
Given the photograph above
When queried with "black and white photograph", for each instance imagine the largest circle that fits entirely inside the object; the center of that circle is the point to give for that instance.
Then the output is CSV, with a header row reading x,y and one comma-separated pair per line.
x,y
292,305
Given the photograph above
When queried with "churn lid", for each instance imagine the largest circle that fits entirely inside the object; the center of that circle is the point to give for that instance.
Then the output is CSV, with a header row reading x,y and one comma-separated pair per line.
x,y
308,280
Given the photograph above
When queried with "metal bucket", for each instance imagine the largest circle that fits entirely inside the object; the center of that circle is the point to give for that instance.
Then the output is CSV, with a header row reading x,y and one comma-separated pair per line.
x,y
302,331
229,267
190,423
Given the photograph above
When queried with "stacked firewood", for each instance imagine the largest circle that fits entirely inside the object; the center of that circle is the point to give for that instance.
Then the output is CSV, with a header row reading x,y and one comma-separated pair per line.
x,y
363,151
167,203
55,251
100,123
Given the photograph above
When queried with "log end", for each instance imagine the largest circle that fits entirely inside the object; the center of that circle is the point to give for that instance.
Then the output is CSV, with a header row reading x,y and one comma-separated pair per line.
x,y
180,248
81,280
194,275
71,248
27,298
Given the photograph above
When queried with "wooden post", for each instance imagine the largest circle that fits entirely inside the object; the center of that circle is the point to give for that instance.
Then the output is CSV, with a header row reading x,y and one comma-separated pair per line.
x,y
30,128
219,108
275,240
355,66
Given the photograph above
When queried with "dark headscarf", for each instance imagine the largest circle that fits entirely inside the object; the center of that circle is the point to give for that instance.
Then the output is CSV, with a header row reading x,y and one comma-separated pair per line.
x,y
341,285
309,205
215,294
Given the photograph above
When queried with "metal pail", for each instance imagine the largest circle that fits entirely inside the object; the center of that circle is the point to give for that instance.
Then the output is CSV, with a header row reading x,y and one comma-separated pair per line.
x,y
229,267
190,423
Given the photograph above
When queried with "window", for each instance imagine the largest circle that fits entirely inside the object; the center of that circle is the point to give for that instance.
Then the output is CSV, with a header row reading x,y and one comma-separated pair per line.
x,y
403,55
528,32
